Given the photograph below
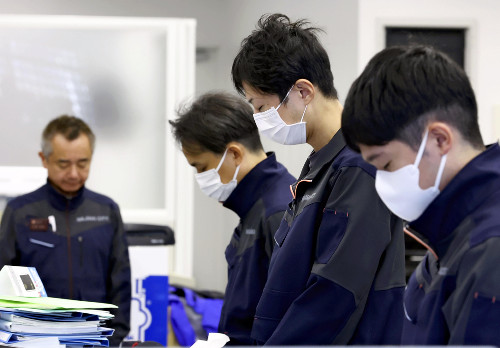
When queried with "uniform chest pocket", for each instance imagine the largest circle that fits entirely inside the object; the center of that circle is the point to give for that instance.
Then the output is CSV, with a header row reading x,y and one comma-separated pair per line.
x,y
282,232
41,243
331,232
413,297
484,317
39,246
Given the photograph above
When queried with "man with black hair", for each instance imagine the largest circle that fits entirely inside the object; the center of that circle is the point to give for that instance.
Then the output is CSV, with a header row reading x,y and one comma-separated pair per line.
x,y
412,113
337,271
220,139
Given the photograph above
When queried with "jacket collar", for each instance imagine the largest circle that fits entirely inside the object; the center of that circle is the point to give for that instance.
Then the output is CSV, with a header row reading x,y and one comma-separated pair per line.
x,y
61,202
254,185
465,192
317,160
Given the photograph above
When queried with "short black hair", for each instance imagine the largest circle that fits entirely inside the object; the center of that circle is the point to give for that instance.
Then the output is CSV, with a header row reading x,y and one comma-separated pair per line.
x,y
214,120
403,88
278,53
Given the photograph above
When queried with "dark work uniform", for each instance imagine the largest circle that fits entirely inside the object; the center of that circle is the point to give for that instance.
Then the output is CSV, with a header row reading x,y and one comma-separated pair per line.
x,y
85,258
260,200
337,273
453,297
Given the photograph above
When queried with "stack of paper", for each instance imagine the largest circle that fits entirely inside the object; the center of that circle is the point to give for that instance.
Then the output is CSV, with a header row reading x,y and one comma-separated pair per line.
x,y
53,322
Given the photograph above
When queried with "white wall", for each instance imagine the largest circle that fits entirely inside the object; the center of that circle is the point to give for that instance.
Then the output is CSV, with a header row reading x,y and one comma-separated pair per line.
x,y
338,19
482,62
209,15
209,26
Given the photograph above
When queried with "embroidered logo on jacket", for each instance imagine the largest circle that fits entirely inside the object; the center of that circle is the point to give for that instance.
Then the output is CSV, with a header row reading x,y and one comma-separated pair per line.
x,y
40,225
92,218
308,197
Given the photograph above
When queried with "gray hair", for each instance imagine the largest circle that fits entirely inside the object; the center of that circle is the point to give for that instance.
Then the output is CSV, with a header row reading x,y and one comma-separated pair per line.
x,y
70,127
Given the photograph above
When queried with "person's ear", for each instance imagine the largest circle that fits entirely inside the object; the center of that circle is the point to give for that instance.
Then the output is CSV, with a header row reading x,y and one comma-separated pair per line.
x,y
44,160
442,135
306,90
236,151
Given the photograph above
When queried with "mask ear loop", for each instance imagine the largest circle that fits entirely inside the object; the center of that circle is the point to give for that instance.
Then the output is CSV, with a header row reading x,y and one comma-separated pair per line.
x,y
236,172
287,93
221,161
441,164
303,113
421,149
440,171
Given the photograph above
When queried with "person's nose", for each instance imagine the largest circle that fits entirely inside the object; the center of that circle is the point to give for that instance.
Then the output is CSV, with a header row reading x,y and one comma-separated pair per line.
x,y
73,171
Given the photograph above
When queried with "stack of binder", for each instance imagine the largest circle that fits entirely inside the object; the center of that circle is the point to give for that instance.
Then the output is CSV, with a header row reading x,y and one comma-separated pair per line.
x,y
54,322
28,318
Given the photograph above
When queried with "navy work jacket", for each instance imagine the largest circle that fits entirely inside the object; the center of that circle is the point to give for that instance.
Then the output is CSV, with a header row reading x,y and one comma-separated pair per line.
x,y
453,297
260,200
83,256
337,271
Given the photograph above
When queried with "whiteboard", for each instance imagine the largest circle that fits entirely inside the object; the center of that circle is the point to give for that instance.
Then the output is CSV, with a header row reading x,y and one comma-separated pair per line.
x,y
125,77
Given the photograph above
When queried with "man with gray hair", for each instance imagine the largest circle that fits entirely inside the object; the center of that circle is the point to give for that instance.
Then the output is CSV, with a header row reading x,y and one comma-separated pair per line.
x,y
74,237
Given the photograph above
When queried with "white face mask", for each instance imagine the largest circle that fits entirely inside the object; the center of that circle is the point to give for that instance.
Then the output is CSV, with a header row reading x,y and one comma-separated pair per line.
x,y
211,184
271,125
400,191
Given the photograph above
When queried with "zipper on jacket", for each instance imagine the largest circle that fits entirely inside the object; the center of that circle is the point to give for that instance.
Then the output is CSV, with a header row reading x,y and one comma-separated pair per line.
x,y
80,241
294,191
413,234
68,238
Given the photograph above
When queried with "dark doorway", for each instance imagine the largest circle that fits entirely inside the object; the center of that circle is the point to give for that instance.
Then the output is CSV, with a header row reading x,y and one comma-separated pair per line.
x,y
449,41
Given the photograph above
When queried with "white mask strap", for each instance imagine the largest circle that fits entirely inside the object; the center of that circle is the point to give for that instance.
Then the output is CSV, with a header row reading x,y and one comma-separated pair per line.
x,y
303,113
287,93
440,171
422,148
221,161
236,172
441,163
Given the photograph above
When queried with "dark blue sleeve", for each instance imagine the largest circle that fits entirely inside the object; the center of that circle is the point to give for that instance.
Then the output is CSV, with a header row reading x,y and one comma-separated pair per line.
x,y
246,279
7,238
